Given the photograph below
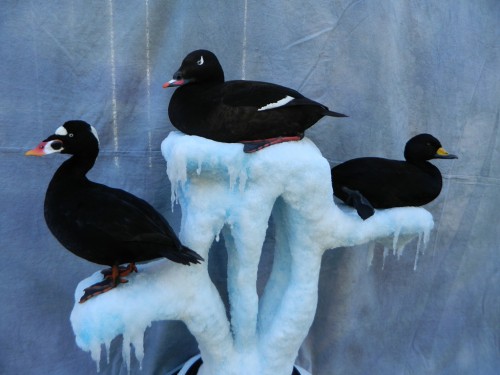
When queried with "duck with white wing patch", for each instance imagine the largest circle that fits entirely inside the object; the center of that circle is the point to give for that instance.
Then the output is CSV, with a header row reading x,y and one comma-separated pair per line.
x,y
258,114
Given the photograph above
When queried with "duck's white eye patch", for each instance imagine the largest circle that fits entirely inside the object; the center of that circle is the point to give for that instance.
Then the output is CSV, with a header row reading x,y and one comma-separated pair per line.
x,y
53,146
61,130
94,131
200,61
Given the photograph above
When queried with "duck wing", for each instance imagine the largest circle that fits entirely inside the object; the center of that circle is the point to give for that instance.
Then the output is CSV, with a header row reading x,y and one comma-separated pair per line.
x,y
262,96
127,227
120,215
384,183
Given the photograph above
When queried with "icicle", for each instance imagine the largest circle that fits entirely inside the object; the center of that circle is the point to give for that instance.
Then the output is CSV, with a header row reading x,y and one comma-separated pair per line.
x,y
173,191
138,343
386,251
395,240
173,198
177,174
427,233
95,354
371,249
126,351
420,235
107,345
400,250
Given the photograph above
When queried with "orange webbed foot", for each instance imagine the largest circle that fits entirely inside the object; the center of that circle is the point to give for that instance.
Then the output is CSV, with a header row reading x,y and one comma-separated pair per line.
x,y
122,271
112,277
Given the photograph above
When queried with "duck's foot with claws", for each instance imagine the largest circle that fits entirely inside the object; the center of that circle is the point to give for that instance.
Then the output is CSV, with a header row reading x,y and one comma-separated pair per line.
x,y
112,278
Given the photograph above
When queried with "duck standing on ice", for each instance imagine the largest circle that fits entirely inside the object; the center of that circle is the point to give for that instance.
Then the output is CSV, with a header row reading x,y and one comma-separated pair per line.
x,y
98,223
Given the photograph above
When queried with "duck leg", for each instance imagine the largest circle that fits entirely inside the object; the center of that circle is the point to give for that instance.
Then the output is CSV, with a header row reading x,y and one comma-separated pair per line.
x,y
259,144
122,271
111,280
359,202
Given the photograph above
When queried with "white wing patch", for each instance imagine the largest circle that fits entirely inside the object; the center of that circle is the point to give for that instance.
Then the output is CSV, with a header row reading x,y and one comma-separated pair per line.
x,y
277,104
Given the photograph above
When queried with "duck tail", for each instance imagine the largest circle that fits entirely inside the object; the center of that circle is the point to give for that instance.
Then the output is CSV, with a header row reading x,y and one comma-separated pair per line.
x,y
334,114
185,256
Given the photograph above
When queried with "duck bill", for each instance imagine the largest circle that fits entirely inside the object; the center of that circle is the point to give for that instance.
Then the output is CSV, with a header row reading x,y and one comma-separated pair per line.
x,y
48,146
175,83
38,150
441,153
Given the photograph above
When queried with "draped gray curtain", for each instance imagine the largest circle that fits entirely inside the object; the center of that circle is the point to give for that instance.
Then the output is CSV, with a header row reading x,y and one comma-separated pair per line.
x,y
397,68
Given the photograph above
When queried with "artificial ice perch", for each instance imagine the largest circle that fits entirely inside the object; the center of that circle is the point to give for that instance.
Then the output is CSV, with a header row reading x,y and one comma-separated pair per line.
x,y
222,190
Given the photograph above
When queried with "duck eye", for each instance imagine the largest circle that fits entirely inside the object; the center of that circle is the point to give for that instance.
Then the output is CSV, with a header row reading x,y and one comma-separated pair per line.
x,y
200,61
70,135
56,145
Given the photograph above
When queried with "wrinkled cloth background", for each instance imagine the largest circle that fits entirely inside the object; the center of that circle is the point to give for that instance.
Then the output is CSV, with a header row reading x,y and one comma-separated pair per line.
x,y
397,68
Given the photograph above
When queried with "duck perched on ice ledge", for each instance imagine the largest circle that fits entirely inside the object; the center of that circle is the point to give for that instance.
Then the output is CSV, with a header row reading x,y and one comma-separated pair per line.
x,y
98,223
258,114
223,190
373,182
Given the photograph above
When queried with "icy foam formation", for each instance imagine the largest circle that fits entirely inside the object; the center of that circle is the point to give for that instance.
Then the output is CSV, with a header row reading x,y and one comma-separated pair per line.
x,y
223,190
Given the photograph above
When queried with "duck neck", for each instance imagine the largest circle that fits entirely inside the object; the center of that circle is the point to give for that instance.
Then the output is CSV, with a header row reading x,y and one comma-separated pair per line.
x,y
426,166
76,167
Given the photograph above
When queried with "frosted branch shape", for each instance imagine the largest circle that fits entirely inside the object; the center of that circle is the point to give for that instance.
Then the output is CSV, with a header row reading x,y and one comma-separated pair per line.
x,y
223,190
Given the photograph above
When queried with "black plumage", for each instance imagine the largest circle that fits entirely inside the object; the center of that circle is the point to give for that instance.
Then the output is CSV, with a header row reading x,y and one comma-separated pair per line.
x,y
372,182
256,113
98,223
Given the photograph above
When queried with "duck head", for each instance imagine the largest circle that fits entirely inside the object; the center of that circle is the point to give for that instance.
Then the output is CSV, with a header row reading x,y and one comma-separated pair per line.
x,y
200,66
425,147
74,137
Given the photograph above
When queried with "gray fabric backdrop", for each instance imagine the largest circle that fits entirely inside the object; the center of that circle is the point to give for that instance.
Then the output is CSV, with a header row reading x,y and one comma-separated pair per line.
x,y
398,68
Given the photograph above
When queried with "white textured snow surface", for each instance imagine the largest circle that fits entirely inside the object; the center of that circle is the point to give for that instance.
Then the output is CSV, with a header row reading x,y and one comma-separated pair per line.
x,y
222,190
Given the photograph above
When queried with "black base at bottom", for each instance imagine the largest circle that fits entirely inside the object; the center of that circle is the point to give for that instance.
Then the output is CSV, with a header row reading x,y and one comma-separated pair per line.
x,y
193,370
